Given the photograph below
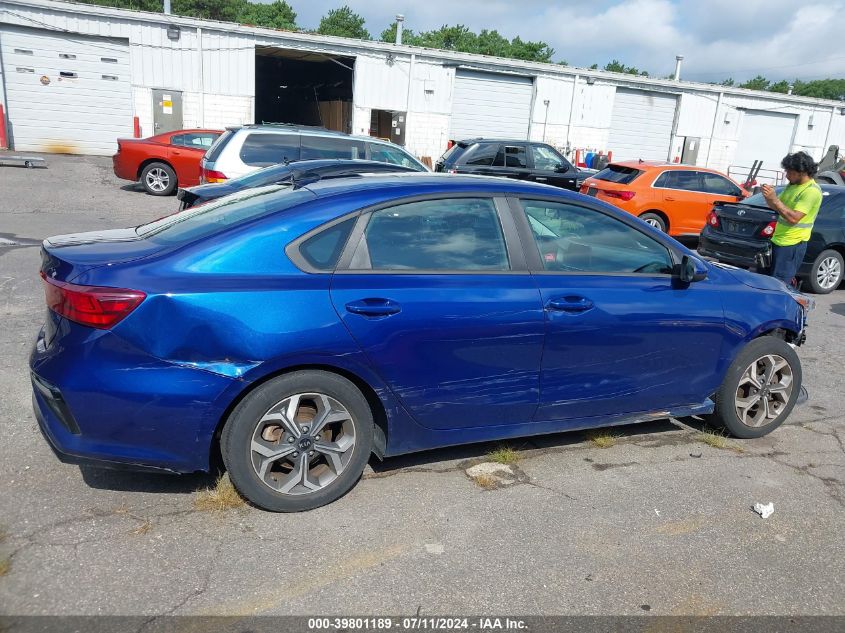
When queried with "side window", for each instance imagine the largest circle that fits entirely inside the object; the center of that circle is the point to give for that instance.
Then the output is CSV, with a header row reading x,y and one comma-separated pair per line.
x,y
177,139
546,158
323,249
461,234
482,155
513,156
680,179
718,185
315,147
263,150
392,155
576,239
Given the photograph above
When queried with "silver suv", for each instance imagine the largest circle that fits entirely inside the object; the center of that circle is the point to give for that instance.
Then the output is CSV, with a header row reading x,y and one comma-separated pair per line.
x,y
241,150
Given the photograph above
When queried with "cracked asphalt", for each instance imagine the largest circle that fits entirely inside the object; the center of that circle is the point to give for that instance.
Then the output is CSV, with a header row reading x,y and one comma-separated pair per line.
x,y
659,522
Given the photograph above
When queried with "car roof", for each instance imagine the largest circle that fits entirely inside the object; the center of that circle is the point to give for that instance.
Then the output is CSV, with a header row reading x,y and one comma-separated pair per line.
x,y
434,183
481,139
308,130
653,165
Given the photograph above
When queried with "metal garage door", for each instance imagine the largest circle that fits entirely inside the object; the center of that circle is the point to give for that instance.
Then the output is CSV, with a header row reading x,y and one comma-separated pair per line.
x,y
641,126
490,105
66,92
765,136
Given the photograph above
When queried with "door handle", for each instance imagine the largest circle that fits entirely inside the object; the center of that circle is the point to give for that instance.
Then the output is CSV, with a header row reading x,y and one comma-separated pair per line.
x,y
541,179
669,199
569,304
373,307
176,152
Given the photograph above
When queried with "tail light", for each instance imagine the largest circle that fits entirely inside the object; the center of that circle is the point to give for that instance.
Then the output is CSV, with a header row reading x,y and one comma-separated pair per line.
x,y
622,195
450,144
451,171
209,175
93,306
769,230
713,220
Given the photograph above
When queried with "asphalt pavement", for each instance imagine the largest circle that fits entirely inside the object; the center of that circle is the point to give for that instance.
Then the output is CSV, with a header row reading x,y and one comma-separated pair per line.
x,y
660,522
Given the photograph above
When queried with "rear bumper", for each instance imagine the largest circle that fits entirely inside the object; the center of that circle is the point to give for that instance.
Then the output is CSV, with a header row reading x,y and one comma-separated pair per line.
x,y
100,402
730,250
122,170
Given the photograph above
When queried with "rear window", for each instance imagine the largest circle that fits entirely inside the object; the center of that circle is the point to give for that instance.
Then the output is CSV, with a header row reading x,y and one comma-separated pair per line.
x,y
453,153
316,147
481,155
212,217
393,156
618,173
263,150
218,145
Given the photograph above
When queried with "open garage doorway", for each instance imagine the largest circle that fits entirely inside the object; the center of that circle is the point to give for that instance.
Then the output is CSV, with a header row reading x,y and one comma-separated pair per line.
x,y
303,88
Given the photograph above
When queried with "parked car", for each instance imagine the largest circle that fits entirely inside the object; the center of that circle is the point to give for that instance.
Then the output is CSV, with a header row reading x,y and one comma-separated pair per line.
x,y
163,162
671,197
242,150
521,160
299,171
740,234
297,330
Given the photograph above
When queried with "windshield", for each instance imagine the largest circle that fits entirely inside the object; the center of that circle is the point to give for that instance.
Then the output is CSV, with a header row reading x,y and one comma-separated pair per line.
x,y
222,213
218,145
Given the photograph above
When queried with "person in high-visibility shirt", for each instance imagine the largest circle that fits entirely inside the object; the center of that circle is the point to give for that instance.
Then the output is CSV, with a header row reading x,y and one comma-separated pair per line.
x,y
797,208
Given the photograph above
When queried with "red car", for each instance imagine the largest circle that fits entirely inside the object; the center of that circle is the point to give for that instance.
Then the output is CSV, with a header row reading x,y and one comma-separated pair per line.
x,y
165,161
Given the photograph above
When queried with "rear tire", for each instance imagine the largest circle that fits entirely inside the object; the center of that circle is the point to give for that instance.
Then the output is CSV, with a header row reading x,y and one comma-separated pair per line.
x,y
654,220
298,442
826,273
759,390
158,179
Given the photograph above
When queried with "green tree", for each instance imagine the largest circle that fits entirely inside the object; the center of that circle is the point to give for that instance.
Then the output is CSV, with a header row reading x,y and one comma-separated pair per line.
x,y
615,66
224,10
728,82
278,15
758,83
780,86
343,23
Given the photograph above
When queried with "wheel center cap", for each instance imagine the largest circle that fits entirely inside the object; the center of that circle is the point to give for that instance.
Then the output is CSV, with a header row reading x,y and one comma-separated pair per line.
x,y
305,443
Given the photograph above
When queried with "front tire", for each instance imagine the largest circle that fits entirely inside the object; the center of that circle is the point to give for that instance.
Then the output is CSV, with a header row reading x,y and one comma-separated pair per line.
x,y
759,390
298,442
826,273
158,179
654,220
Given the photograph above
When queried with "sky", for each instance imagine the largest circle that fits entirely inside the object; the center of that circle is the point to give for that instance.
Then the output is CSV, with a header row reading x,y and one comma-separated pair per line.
x,y
718,38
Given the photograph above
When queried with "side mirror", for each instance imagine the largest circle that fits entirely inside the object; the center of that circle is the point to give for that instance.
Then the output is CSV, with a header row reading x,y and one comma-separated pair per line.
x,y
687,272
561,169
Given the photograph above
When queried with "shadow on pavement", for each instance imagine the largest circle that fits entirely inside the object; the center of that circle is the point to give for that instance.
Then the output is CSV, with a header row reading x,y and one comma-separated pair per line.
x,y
128,481
838,308
546,442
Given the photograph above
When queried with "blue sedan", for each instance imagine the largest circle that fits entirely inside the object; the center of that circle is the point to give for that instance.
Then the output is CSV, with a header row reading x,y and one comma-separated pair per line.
x,y
297,329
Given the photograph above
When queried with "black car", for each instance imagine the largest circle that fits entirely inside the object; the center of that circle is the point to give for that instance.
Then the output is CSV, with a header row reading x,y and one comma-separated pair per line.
x,y
299,171
740,234
522,160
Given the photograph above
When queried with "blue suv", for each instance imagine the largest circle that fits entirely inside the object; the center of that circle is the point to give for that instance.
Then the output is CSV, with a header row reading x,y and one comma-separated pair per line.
x,y
299,328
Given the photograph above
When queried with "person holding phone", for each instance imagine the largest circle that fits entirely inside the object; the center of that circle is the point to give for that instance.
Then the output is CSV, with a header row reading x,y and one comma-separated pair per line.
x,y
797,207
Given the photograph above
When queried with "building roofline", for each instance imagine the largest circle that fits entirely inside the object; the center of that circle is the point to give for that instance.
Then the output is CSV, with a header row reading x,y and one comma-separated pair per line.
x,y
480,62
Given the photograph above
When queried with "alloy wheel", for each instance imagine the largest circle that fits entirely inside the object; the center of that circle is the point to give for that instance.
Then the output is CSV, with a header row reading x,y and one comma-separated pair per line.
x,y
764,390
829,273
303,443
157,179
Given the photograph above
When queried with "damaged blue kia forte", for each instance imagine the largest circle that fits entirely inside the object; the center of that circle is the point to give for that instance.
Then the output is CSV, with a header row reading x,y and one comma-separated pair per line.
x,y
297,329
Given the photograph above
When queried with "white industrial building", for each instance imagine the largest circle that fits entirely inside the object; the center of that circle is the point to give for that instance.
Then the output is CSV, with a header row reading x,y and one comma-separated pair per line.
x,y
74,77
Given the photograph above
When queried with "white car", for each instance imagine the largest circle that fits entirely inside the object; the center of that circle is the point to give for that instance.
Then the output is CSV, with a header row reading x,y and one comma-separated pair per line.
x,y
241,150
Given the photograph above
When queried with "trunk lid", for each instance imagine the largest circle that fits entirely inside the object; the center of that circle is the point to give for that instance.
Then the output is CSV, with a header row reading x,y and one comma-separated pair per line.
x,y
743,220
64,257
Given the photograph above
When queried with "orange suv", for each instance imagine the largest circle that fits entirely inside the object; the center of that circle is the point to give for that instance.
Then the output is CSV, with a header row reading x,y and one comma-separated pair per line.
x,y
674,198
